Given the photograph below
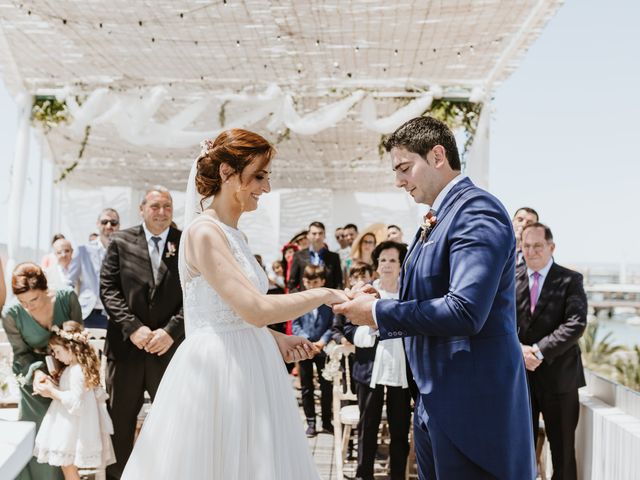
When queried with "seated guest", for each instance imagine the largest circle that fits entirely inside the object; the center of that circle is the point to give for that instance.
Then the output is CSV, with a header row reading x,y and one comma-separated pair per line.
x,y
316,254
380,367
28,323
58,272
316,327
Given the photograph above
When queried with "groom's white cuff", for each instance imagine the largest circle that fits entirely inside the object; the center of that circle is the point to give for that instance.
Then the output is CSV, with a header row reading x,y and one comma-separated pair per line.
x,y
373,312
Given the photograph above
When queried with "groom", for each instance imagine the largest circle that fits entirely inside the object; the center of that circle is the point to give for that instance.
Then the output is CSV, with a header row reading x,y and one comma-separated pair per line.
x,y
456,313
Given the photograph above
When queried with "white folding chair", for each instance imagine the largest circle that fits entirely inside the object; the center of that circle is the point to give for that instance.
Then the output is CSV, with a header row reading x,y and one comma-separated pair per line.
x,y
347,416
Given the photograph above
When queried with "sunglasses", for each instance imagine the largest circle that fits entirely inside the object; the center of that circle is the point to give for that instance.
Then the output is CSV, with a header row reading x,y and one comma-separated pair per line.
x,y
114,223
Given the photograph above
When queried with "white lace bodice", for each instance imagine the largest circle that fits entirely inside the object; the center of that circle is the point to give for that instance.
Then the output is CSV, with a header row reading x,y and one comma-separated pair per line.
x,y
204,310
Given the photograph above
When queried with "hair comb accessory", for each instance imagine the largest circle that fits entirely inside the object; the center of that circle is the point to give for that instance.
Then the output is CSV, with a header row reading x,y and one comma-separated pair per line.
x,y
205,146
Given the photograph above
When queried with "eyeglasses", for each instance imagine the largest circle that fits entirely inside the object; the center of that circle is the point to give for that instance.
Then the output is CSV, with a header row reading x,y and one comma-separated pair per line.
x,y
536,247
114,223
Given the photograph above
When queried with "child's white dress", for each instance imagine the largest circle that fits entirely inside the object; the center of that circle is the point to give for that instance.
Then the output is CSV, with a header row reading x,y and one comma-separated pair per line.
x,y
76,430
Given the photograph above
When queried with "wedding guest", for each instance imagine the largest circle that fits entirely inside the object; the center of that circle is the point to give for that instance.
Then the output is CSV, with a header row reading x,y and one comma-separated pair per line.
x,y
288,252
316,254
359,272
316,327
140,289
363,246
58,272
301,240
394,233
93,236
76,430
524,216
276,278
350,233
28,323
3,287
379,369
551,305
85,270
344,250
50,258
276,287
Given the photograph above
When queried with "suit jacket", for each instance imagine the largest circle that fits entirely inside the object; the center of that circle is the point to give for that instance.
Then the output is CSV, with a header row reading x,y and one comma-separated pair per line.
x,y
315,329
302,258
132,298
85,271
555,326
457,312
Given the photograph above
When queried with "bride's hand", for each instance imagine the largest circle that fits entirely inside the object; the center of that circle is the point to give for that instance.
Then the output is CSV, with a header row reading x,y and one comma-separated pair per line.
x,y
295,349
336,296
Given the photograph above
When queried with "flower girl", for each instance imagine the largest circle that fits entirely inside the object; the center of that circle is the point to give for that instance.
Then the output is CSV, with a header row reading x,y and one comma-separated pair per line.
x,y
75,431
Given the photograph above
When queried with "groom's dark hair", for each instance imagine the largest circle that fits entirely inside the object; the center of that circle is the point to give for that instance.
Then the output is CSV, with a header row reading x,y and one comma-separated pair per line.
x,y
419,135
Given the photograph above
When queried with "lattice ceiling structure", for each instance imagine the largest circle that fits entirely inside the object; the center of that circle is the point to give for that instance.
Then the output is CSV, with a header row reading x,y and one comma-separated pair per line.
x,y
318,52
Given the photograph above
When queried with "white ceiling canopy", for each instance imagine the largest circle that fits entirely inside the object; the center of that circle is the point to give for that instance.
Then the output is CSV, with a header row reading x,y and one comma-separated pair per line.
x,y
320,79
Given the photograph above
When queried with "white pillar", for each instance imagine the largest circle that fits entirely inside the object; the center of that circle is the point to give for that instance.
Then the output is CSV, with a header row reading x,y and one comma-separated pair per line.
x,y
478,161
18,178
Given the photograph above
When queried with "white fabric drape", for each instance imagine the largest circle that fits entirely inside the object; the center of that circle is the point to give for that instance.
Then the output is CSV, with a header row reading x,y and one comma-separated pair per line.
x,y
133,115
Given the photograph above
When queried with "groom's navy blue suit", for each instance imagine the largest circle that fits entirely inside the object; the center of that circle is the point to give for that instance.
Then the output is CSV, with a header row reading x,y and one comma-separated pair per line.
x,y
457,312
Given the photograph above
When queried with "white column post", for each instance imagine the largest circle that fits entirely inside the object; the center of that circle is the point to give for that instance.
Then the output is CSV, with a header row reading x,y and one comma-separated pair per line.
x,y
18,178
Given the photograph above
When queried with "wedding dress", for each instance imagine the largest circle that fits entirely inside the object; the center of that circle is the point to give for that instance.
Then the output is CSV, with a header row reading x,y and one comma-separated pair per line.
x,y
225,409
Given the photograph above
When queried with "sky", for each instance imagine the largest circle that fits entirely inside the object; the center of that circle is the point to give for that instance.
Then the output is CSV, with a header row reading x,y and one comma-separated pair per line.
x,y
563,133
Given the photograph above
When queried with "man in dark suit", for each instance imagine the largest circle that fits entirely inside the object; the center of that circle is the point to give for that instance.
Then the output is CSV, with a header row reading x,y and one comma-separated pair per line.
x,y
140,290
552,315
456,312
316,254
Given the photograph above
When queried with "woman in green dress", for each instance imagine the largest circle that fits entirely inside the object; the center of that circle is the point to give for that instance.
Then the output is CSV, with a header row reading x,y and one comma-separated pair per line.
x,y
27,323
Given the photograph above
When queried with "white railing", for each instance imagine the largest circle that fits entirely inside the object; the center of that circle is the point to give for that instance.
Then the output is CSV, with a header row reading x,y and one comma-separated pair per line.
x,y
608,433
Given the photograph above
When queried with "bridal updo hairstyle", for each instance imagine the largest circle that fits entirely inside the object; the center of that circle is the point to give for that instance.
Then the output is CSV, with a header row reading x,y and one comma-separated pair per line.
x,y
237,148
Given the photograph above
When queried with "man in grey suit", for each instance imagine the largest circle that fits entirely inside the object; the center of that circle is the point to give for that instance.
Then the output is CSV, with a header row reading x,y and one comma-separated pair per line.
x,y
85,270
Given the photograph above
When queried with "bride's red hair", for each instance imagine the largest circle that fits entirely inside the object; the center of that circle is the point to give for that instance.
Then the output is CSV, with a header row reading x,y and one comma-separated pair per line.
x,y
237,148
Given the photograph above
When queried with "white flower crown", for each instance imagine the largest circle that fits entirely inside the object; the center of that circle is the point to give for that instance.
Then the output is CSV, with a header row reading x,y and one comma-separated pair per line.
x,y
82,337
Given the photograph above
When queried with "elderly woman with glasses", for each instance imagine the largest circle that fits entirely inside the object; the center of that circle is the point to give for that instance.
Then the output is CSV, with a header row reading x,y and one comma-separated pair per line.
x,y
28,323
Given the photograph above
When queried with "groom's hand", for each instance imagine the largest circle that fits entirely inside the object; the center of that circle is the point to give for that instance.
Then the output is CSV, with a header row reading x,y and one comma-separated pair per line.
x,y
361,287
358,310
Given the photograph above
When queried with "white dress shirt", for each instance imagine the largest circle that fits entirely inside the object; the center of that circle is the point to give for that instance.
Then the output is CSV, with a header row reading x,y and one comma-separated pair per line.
x,y
152,246
389,365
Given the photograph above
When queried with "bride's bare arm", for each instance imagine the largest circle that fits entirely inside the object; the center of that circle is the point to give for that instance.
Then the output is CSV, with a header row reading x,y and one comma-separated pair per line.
x,y
208,252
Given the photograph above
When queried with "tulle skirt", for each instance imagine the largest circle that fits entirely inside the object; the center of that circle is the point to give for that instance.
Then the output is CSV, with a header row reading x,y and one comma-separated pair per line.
x,y
225,410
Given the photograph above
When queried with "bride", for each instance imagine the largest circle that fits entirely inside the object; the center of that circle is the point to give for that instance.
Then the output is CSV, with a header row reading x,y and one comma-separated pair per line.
x,y
225,408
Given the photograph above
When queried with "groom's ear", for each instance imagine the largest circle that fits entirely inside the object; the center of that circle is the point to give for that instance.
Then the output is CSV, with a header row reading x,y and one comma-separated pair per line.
x,y
439,155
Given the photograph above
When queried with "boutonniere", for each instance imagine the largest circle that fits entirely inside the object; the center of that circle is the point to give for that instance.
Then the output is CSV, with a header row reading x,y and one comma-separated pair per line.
x,y
428,223
171,250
